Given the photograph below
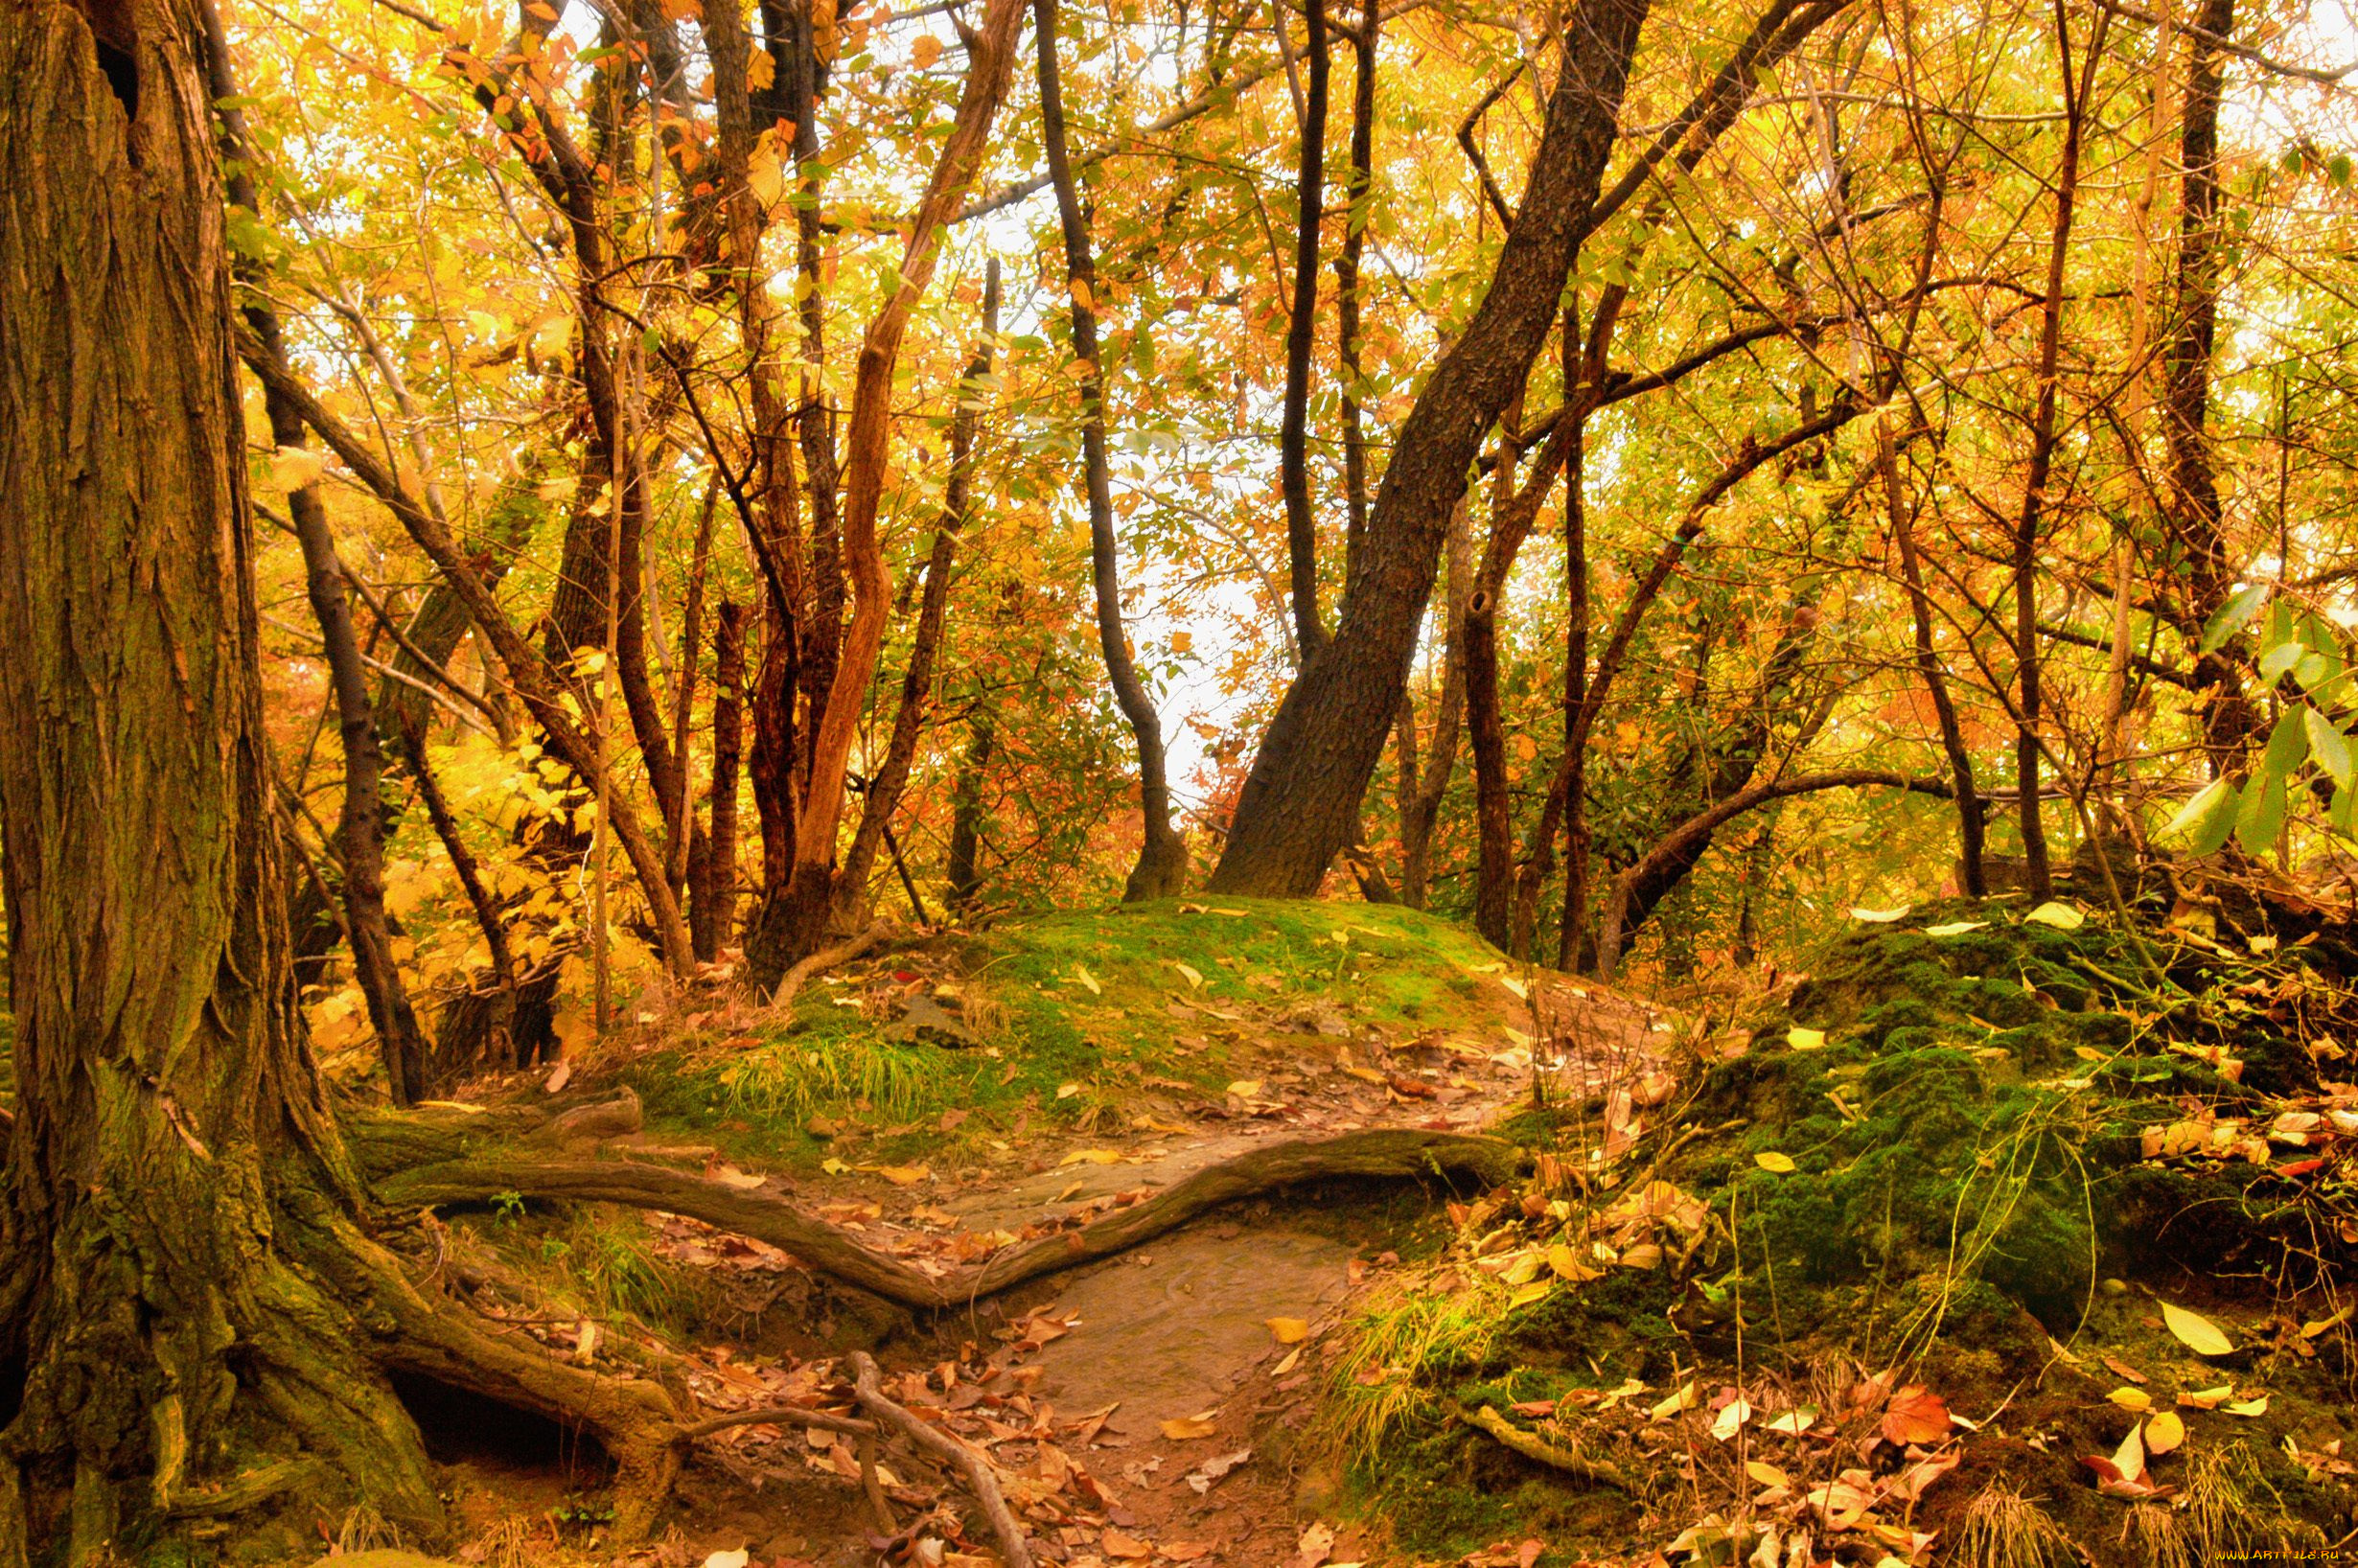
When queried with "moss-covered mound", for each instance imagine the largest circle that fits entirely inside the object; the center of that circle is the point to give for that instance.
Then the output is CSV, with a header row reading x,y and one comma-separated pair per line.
x,y
1982,1149
1072,1019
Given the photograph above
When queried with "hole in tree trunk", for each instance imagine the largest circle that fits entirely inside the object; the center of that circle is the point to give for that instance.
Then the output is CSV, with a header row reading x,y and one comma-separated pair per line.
x,y
11,1387
463,1427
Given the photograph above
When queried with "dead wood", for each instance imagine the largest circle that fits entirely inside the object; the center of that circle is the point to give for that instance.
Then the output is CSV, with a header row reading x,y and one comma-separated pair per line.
x,y
966,1460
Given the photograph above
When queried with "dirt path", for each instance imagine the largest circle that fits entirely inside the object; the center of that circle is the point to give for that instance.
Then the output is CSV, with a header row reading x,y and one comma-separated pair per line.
x,y
1139,1405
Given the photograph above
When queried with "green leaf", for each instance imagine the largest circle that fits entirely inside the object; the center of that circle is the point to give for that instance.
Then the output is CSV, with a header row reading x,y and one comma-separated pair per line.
x,y
2288,746
2329,745
2313,671
2235,616
2207,819
2276,661
2261,817
2342,815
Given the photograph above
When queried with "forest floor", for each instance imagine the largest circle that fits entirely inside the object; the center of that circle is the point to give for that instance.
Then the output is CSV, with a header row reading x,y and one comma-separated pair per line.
x,y
1983,1245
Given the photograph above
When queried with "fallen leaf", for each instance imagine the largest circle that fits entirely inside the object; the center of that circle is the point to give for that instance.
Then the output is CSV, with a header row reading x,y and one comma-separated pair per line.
x,y
1882,918
2195,1331
1091,1156
729,1559
1766,1473
2311,1330
1686,1399
1290,1330
1185,1428
2207,1398
904,1175
1316,1545
1806,1039
1066,1091
1080,973
1730,1420
2165,1432
1956,928
728,1175
2248,1407
834,1167
1210,1471
1120,1544
1915,1415
1245,1088
2129,1459
1193,976
1532,1291
2124,1369
2059,914
2129,1399
1770,1160
1792,1422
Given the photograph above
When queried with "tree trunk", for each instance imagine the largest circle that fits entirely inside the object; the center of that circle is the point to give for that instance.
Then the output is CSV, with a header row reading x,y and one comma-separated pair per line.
x,y
1425,788
1357,193
713,863
964,877
884,791
1300,802
2228,718
1162,866
1301,337
185,1292
163,1096
360,825
793,924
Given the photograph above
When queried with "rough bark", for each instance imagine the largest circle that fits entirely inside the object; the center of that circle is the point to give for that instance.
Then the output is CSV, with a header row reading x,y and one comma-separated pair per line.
x,y
1300,802
1161,863
1301,335
1423,788
163,1096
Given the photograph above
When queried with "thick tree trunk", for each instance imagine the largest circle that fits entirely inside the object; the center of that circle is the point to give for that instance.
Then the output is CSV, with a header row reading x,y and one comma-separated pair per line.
x,y
185,1294
1162,866
163,1093
1299,803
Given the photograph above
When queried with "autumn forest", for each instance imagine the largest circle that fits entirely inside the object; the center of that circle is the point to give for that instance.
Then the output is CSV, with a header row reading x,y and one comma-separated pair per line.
x,y
626,623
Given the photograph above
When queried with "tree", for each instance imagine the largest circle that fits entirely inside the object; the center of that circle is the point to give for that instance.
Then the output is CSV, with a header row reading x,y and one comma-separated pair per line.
x,y
185,1284
1299,804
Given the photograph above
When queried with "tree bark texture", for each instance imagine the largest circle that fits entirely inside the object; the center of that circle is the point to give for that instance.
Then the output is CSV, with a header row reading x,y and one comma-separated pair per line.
x,y
1301,337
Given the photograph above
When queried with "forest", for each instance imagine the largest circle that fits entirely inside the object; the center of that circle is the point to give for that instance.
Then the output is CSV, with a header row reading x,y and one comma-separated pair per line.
x,y
1325,783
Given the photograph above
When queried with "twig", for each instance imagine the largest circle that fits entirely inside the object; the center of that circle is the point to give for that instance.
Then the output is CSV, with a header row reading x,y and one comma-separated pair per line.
x,y
779,1415
1532,1447
967,1460
826,958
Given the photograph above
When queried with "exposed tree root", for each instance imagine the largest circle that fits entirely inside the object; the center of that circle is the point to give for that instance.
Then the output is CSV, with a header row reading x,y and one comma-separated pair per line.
x,y
1390,1153
968,1463
1531,1446
758,1215
827,958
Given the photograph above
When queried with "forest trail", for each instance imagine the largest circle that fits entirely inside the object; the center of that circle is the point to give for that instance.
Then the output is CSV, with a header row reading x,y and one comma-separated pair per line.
x,y
1165,1390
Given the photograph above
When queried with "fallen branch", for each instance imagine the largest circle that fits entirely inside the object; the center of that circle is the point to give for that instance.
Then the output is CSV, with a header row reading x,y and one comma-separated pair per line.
x,y
826,958
1531,1446
962,1457
850,1426
1384,1154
